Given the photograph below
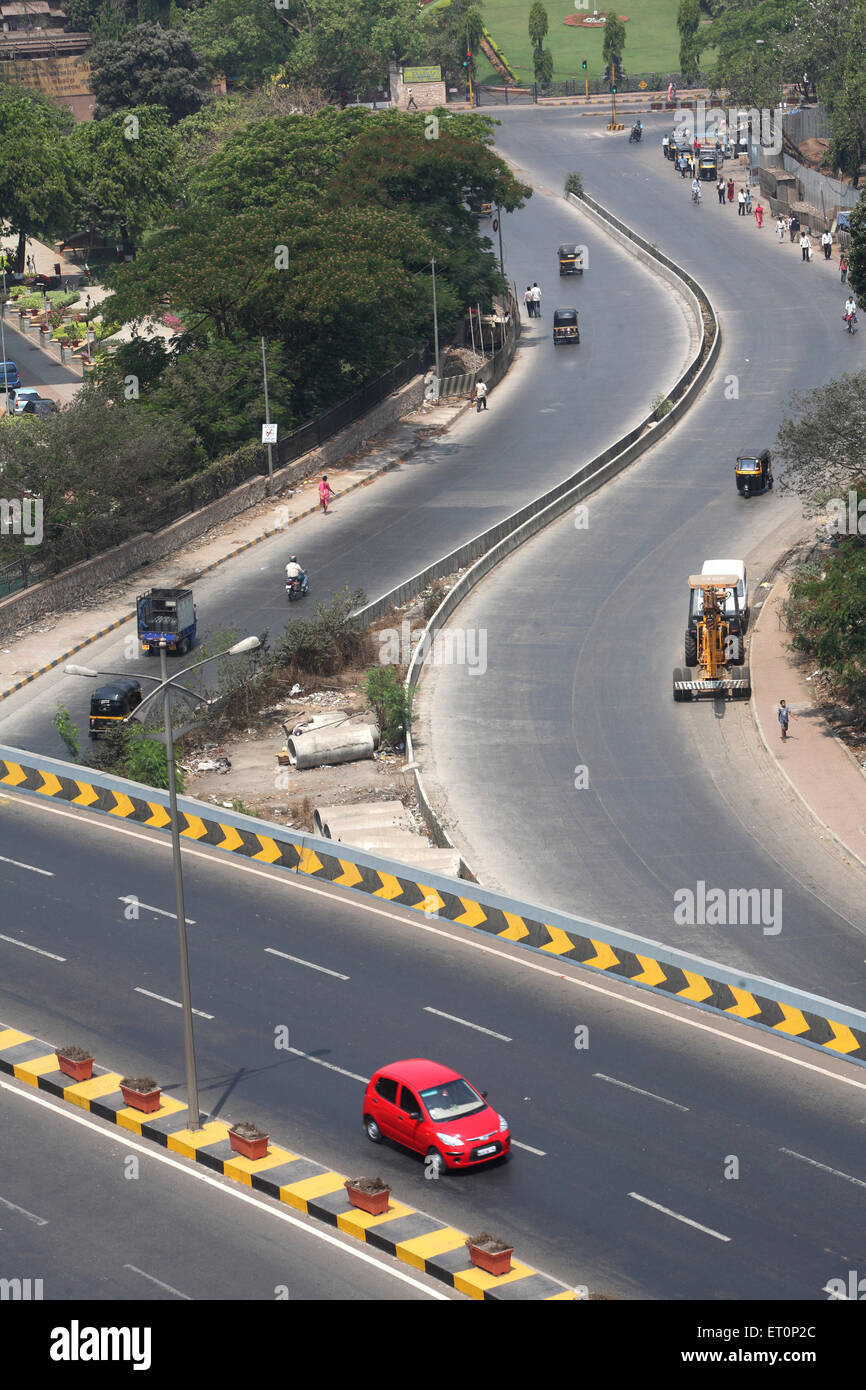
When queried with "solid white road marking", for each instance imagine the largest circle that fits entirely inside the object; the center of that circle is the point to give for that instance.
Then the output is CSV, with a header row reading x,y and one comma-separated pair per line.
x,y
37,1220
271,951
27,947
32,867
687,1221
539,1153
168,1288
174,1003
292,883
612,1081
146,907
858,1182
452,1018
240,1195
330,1065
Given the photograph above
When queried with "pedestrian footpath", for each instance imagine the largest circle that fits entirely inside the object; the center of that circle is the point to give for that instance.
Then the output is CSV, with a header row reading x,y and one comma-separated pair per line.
x,y
56,637
823,772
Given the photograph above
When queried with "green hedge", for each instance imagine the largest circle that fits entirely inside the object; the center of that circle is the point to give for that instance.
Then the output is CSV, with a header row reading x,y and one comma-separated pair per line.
x,y
211,483
58,299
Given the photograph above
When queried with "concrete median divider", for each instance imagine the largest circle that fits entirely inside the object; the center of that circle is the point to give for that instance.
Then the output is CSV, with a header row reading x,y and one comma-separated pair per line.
x,y
819,1023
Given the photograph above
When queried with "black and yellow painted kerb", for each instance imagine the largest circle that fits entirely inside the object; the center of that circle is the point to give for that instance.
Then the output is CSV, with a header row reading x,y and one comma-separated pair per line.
x,y
451,900
418,1240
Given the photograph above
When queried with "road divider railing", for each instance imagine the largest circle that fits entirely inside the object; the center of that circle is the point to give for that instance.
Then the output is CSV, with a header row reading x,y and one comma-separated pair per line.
x,y
423,1242
807,1018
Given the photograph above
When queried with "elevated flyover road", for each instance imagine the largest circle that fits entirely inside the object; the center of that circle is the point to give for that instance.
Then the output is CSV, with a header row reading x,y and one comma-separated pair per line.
x,y
569,773
95,1214
626,1109
551,413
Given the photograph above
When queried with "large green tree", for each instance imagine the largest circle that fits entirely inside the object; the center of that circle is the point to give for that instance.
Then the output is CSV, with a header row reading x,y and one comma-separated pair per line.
x,y
857,249
247,40
34,175
613,44
688,23
123,171
147,66
268,158
345,46
821,445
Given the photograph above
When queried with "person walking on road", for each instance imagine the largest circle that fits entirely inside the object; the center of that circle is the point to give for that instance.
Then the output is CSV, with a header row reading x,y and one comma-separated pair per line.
x,y
759,215
527,299
784,715
324,494
805,245
536,299
793,227
670,93
781,228
748,201
843,267
720,189
480,397
730,190
741,203
827,243
411,104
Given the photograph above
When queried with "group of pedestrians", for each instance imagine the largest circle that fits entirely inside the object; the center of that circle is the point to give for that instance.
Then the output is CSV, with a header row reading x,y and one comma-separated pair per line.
x,y
532,300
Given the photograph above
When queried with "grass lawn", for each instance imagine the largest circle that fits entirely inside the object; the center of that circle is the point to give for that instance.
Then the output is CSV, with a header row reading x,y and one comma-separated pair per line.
x,y
652,40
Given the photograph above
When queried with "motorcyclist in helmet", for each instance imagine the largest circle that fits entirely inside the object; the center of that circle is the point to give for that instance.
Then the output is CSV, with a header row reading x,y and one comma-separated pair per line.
x,y
295,571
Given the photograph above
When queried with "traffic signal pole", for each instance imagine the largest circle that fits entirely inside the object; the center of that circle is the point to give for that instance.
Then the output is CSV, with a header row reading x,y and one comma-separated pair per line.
x,y
585,81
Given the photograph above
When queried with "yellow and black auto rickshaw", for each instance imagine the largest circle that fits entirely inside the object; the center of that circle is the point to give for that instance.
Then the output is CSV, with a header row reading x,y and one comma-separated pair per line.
x,y
709,163
754,471
570,259
110,704
565,328
483,210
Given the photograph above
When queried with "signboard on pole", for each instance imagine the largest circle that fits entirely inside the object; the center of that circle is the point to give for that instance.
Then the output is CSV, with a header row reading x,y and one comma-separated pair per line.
x,y
269,434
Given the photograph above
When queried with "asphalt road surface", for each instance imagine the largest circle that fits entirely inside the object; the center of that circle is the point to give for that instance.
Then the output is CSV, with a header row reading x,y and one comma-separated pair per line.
x,y
102,1214
585,625
625,1133
546,419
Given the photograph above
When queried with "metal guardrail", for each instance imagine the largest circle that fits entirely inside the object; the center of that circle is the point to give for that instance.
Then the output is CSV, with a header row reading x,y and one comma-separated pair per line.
x,y
754,1000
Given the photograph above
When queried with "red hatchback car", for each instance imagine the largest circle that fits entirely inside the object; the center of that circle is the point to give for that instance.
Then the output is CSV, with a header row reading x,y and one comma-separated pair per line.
x,y
434,1110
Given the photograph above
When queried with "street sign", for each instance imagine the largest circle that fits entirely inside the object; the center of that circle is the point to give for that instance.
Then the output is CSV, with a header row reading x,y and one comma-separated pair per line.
x,y
642,86
269,434
427,74
496,224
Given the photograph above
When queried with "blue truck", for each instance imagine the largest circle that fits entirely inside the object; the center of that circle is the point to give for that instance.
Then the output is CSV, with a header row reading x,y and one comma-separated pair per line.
x,y
166,615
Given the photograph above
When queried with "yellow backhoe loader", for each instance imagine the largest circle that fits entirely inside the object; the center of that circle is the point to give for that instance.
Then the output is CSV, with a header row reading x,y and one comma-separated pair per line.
x,y
716,641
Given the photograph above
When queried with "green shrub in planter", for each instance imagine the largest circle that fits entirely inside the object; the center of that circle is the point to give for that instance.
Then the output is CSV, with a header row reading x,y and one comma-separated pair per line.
x,y
70,332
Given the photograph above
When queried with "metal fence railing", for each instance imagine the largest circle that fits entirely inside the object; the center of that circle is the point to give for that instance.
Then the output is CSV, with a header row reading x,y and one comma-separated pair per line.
x,y
310,436
636,83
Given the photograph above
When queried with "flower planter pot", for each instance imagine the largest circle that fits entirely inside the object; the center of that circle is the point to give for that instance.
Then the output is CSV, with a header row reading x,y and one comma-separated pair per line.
x,y
148,1101
249,1148
78,1070
496,1262
374,1203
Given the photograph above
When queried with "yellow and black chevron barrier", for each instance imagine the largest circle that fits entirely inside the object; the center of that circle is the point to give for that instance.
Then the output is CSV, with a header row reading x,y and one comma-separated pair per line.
x,y
465,904
413,1237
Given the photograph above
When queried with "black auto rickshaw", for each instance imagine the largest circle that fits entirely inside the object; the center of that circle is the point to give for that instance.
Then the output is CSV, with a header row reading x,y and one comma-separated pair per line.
x,y
565,328
112,703
754,471
570,259
708,164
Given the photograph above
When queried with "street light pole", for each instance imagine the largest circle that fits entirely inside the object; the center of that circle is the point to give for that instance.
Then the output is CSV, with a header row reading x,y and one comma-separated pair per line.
x,y
164,684
435,322
499,222
267,422
185,992
3,342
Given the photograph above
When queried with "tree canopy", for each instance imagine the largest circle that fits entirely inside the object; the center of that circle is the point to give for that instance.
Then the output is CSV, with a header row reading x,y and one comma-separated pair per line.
x,y
147,66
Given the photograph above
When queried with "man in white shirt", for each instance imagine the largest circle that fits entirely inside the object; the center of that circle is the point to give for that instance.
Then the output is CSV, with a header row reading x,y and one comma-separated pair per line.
x,y
536,299
827,243
480,396
294,571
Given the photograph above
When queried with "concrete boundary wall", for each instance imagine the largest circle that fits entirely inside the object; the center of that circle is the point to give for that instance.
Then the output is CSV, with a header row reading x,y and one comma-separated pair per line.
x,y
808,1018
68,588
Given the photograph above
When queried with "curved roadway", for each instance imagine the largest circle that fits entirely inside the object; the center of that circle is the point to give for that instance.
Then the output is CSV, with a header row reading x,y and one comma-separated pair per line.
x,y
540,425
584,626
648,1110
